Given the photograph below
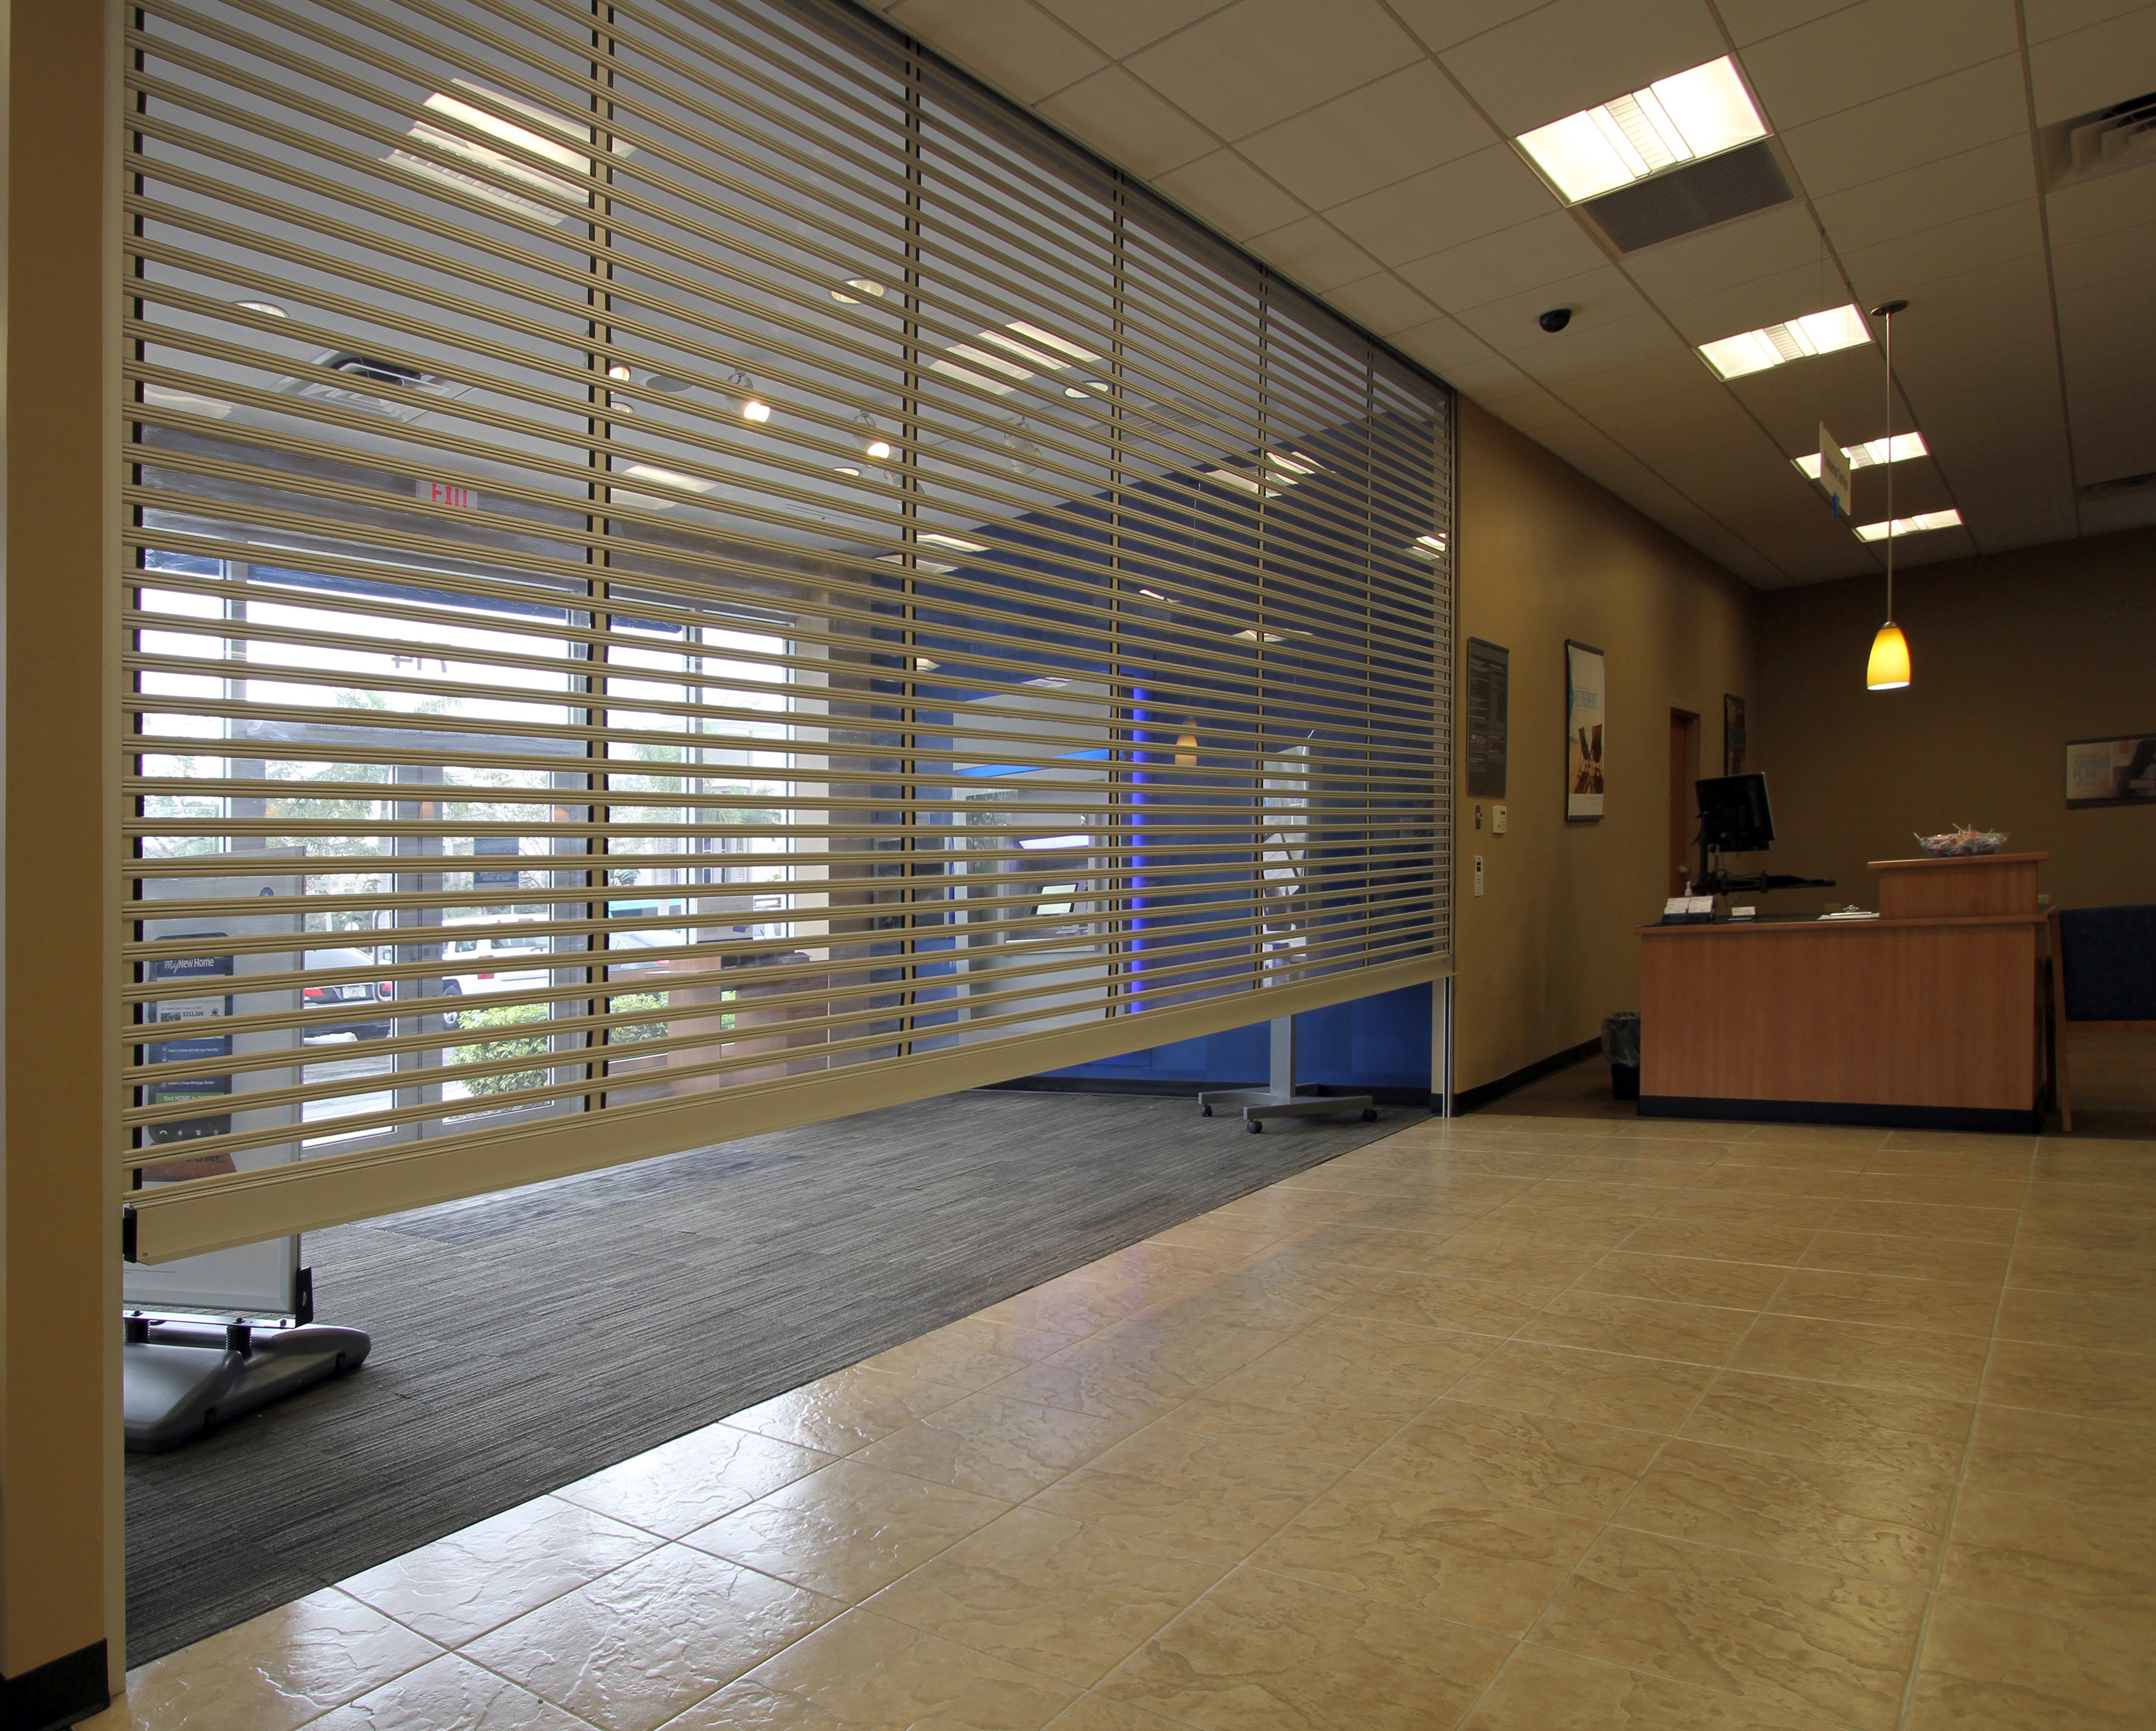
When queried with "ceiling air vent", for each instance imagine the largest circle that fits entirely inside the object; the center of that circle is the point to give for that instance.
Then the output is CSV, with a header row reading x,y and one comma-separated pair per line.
x,y
1695,196
384,388
2118,488
2119,136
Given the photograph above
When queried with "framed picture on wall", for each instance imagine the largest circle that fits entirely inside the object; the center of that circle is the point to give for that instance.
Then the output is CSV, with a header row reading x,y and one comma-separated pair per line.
x,y
1583,739
2117,771
1733,735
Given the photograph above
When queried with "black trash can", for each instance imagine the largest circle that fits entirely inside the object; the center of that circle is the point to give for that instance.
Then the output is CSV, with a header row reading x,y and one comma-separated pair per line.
x,y
1620,1046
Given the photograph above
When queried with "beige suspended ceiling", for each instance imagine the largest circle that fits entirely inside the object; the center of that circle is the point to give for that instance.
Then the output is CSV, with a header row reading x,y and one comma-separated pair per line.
x,y
1362,147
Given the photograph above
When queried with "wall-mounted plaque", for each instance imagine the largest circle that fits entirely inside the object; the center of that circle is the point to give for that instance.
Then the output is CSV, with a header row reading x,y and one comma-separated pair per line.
x,y
1733,739
2117,771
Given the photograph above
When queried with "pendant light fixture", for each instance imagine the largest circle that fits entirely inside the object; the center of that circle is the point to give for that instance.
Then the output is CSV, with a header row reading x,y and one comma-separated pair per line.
x,y
1887,669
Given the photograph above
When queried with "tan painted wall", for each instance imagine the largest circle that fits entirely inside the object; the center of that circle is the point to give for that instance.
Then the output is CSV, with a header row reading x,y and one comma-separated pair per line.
x,y
2012,655
1546,554
60,1577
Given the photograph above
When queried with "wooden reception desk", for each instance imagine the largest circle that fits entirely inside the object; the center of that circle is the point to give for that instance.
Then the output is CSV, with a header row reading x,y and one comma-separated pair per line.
x,y
1928,1017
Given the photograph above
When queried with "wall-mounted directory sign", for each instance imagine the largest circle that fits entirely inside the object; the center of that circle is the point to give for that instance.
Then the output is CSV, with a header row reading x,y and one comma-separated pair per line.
x,y
1489,703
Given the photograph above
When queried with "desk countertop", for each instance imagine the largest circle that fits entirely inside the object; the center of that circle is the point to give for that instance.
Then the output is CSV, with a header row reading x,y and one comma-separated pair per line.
x,y
1786,926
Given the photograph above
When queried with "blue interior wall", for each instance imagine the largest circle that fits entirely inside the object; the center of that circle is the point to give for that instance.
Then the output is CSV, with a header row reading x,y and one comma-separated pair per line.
x,y
1376,1042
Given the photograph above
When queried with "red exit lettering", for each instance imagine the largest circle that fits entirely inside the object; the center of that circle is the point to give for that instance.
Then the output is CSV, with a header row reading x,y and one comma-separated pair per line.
x,y
457,498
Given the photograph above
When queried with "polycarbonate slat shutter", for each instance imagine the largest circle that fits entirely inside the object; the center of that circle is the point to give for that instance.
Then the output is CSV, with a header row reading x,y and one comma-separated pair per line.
x,y
679,554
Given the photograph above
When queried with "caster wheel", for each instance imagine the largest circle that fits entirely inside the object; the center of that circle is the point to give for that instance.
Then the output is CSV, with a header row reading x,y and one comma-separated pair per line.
x,y
1205,1111
1369,1118
1254,1127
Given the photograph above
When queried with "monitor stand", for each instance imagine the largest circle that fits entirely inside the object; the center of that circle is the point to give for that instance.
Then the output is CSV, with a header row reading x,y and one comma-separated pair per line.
x,y
1280,1100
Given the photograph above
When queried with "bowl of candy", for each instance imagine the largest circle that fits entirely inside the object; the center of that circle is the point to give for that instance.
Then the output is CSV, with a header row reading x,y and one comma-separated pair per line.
x,y
1961,841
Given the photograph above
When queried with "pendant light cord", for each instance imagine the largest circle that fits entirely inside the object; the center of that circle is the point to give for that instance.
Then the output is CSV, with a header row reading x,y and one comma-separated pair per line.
x,y
1889,455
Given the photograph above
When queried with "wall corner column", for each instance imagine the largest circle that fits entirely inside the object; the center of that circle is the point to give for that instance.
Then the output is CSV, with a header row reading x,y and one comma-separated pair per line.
x,y
62,1575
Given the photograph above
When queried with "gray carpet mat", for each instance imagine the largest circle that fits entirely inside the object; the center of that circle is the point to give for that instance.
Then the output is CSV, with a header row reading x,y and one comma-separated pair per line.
x,y
524,1339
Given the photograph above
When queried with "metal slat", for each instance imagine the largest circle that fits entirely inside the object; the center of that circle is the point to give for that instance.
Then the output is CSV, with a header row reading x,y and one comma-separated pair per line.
x,y
1261,663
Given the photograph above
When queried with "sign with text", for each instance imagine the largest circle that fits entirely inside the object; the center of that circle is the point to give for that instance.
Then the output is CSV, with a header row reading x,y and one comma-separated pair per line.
x,y
1834,470
1489,703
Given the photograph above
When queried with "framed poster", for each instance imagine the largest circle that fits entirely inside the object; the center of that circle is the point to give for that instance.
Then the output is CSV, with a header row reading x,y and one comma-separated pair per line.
x,y
2118,771
1488,705
1733,735
1583,706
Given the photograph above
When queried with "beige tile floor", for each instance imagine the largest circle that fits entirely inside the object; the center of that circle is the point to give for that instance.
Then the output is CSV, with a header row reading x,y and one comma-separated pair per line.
x,y
1513,1425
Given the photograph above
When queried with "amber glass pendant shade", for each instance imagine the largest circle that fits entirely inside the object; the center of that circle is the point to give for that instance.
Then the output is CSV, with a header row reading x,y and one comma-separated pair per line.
x,y
1888,668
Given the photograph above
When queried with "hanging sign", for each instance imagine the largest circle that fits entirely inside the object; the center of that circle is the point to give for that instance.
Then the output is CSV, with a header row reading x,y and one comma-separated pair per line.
x,y
1834,471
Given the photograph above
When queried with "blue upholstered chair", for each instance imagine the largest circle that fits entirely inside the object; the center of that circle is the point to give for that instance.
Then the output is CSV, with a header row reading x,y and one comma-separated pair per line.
x,y
2103,971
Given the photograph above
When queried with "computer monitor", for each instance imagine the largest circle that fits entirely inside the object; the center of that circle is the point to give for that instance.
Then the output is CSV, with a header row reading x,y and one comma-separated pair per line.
x,y
1734,814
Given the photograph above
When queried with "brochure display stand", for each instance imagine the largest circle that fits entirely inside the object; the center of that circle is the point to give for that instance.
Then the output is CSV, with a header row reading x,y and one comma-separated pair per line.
x,y
212,1337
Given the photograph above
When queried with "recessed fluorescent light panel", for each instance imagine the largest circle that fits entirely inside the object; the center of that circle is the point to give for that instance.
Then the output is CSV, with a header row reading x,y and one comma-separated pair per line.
x,y
1695,114
1872,453
551,139
1427,547
1816,333
1018,358
1909,526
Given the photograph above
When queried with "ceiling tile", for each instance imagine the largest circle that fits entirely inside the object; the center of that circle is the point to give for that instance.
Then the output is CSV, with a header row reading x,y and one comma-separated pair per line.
x,y
1019,49
1128,123
2021,284
2096,206
1525,256
1477,195
1845,390
1439,23
2122,254
1978,105
1440,344
1260,61
1786,294
1936,549
2046,19
1905,264
1118,27
1654,395
1382,304
1598,296
1405,122
1981,179
2092,69
1743,251
1535,412
1573,54
1865,51
2105,516
1223,190
1312,253
1749,21
1578,353
1489,381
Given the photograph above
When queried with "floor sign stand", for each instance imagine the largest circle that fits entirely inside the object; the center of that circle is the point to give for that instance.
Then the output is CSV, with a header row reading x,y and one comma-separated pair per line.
x,y
1280,1099
210,1337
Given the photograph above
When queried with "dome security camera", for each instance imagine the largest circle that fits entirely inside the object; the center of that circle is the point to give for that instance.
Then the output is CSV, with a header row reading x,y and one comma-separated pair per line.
x,y
1555,320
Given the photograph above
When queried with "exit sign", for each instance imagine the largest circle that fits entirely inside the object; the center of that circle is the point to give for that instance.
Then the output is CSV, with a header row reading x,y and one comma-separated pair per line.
x,y
452,493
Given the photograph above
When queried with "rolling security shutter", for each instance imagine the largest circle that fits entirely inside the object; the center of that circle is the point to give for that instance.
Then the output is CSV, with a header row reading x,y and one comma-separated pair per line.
x,y
691,571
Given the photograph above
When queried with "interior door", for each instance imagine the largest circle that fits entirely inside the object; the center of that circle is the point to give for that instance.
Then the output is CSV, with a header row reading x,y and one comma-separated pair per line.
x,y
1684,757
